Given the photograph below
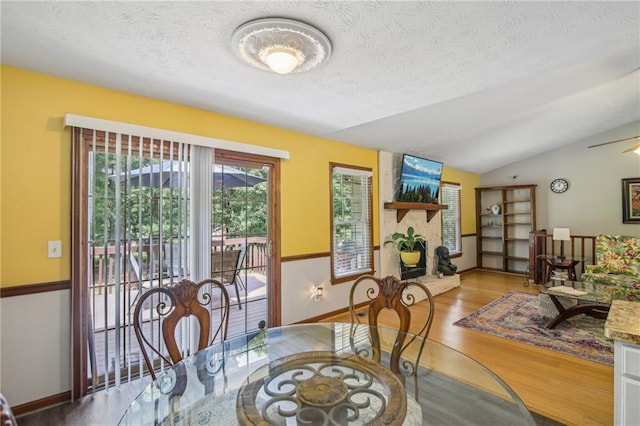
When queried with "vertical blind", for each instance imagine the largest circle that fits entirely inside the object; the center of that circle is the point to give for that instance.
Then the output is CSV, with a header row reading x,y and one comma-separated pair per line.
x,y
140,216
143,207
351,220
451,233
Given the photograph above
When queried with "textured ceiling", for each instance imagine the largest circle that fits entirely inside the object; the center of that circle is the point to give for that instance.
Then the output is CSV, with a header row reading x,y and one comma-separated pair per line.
x,y
476,85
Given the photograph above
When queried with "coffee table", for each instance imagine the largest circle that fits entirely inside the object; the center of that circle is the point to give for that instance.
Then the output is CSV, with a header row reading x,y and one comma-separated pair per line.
x,y
592,299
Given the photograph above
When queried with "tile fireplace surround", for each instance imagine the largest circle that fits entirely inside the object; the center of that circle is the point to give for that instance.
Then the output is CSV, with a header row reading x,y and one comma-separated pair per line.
x,y
389,165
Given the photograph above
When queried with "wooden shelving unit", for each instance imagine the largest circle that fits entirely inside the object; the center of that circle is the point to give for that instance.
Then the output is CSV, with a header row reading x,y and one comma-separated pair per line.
x,y
503,238
402,208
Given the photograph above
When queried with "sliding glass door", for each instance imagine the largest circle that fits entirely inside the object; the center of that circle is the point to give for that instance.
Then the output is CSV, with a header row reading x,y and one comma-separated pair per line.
x,y
151,212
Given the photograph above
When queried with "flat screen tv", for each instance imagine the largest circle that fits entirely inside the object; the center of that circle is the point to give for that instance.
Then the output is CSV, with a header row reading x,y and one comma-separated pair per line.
x,y
419,180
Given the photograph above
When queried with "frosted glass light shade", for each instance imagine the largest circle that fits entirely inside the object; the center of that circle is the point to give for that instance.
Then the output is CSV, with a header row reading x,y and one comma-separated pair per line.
x,y
273,44
281,60
561,234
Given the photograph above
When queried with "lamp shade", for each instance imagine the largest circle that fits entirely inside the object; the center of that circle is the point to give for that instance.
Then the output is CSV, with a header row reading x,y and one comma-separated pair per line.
x,y
561,234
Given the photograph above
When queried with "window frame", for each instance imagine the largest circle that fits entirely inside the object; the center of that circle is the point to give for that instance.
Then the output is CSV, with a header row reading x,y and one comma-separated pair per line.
x,y
335,279
458,220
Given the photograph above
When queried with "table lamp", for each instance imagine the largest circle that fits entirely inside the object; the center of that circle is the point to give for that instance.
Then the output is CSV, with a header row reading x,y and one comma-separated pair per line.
x,y
562,235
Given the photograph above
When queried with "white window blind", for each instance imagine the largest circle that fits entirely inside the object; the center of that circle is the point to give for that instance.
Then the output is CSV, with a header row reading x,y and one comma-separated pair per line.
x,y
451,234
137,236
144,229
351,222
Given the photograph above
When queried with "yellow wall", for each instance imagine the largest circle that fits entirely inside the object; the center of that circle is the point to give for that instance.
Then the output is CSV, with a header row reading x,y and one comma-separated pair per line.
x,y
468,181
36,167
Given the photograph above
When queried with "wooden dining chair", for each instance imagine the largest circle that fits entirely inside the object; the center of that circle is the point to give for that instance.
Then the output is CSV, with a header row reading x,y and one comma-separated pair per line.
x,y
163,308
409,300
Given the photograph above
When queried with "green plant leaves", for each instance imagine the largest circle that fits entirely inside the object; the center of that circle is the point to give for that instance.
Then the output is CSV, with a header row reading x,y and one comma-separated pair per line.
x,y
408,241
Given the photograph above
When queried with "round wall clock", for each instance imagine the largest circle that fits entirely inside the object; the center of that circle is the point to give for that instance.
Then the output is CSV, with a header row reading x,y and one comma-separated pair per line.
x,y
559,185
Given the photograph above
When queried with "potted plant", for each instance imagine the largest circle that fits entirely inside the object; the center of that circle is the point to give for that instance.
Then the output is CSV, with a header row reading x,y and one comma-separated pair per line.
x,y
406,244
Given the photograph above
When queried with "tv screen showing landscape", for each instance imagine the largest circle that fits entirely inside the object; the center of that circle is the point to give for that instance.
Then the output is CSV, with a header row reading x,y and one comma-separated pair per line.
x,y
420,180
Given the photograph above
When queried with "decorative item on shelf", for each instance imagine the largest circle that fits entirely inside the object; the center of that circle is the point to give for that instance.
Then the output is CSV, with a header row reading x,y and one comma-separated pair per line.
x,y
495,209
406,244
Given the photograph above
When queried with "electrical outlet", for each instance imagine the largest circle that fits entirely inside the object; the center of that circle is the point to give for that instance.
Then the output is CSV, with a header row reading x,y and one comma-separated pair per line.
x,y
54,249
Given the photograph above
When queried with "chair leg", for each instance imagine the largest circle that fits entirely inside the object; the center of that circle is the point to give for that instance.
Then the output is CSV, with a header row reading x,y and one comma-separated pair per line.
x,y
242,284
235,284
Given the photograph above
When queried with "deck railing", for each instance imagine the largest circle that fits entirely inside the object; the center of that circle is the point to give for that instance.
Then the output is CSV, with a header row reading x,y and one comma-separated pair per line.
x,y
153,263
112,341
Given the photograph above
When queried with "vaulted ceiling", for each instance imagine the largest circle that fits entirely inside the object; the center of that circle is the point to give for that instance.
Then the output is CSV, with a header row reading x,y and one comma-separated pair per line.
x,y
476,85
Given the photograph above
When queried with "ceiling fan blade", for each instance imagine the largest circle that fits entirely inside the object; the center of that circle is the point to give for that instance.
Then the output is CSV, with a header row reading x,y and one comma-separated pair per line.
x,y
610,142
633,147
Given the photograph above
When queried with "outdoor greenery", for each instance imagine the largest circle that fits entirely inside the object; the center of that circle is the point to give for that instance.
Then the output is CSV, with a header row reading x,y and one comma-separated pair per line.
x,y
147,212
347,207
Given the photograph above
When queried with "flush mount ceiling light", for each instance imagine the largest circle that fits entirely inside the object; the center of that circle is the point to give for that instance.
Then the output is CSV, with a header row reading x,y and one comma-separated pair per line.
x,y
281,45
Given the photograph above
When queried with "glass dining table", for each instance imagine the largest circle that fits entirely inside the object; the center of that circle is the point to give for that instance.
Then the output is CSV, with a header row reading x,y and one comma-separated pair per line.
x,y
323,374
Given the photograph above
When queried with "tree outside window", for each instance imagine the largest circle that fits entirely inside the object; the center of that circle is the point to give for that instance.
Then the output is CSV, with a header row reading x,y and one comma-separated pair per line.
x,y
351,222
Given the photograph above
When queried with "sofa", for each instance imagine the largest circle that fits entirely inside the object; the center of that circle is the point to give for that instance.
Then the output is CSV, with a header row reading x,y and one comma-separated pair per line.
x,y
617,266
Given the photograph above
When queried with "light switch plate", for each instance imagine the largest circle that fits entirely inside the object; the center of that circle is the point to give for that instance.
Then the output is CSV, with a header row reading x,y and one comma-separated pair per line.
x,y
54,249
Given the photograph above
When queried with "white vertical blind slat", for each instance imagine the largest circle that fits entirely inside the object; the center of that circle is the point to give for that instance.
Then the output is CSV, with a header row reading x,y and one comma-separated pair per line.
x,y
118,240
201,165
200,210
121,240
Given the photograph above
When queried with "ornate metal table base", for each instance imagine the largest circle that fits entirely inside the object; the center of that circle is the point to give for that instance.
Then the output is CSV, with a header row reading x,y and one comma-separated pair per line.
x,y
323,388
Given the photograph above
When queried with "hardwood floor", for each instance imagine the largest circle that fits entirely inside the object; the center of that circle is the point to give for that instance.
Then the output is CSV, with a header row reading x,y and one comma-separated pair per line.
x,y
564,388
567,389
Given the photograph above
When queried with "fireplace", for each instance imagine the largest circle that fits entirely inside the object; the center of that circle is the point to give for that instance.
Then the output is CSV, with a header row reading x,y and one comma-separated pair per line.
x,y
408,272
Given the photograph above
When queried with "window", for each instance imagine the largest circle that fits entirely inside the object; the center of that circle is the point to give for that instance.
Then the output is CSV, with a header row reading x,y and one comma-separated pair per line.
x,y
351,225
451,234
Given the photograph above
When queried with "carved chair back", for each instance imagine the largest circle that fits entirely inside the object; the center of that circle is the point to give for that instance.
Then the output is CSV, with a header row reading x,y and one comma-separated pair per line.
x,y
207,301
408,299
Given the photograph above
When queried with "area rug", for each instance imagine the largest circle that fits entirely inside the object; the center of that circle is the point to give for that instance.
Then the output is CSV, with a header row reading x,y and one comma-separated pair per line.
x,y
516,316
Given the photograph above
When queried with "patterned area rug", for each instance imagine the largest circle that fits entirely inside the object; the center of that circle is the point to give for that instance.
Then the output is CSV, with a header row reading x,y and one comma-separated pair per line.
x,y
516,316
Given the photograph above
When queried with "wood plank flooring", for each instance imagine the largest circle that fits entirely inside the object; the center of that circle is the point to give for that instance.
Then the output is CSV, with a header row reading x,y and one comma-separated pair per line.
x,y
567,389
564,388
